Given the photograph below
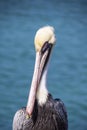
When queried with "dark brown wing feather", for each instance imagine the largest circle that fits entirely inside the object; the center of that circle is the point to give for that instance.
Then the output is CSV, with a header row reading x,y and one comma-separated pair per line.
x,y
51,116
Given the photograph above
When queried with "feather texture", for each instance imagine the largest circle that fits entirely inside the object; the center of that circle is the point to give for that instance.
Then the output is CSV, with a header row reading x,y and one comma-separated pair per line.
x,y
50,116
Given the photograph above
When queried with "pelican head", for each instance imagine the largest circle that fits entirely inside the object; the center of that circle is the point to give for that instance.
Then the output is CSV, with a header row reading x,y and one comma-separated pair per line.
x,y
44,41
43,35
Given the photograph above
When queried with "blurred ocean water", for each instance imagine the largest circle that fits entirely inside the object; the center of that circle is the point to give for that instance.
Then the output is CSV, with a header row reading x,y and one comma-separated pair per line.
x,y
67,75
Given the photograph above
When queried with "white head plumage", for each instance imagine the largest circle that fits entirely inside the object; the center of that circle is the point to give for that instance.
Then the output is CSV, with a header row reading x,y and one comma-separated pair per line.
x,y
44,34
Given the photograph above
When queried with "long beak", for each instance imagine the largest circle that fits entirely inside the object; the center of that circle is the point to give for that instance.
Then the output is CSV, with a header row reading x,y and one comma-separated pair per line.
x,y
42,58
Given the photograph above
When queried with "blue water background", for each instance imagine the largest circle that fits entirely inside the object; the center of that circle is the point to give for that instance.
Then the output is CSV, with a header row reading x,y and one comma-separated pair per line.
x,y
67,77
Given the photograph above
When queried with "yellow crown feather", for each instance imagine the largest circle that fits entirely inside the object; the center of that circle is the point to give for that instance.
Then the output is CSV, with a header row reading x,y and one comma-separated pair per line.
x,y
44,34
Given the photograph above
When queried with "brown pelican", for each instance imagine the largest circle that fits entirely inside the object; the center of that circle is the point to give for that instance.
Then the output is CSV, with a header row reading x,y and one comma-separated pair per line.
x,y
42,111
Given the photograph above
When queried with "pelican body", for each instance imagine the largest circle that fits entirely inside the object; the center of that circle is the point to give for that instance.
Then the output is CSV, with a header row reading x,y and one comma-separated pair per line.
x,y
42,111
